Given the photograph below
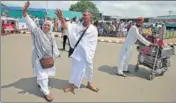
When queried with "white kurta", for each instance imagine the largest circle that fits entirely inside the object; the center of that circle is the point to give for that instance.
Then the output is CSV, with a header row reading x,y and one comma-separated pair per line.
x,y
82,57
42,74
132,37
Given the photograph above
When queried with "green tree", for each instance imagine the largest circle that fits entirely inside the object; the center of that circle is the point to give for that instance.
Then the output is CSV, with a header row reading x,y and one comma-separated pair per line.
x,y
86,5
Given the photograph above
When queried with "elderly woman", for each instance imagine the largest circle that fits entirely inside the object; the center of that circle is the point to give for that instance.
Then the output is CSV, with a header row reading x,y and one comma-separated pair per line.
x,y
43,45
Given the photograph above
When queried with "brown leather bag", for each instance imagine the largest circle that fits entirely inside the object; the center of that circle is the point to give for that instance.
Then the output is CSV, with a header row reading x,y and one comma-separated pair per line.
x,y
47,61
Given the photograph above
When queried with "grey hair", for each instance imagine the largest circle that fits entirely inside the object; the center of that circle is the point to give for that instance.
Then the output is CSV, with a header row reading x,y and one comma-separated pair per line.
x,y
89,11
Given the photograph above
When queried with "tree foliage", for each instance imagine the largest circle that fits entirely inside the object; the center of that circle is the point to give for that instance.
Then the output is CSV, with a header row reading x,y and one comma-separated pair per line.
x,y
86,5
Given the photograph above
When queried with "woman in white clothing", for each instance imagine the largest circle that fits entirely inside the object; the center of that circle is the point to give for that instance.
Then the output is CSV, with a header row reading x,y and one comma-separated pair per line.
x,y
43,44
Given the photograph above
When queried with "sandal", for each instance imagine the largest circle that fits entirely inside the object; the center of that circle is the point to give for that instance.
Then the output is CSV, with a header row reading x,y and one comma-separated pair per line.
x,y
93,89
48,98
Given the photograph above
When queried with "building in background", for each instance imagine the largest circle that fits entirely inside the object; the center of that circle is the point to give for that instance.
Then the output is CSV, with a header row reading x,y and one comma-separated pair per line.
x,y
16,12
169,20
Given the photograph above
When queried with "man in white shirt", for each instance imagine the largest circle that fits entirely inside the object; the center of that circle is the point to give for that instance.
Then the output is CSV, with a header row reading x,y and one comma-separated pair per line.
x,y
132,37
82,57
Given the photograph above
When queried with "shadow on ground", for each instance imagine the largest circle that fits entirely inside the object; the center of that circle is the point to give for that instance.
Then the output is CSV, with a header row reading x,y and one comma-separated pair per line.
x,y
141,73
29,85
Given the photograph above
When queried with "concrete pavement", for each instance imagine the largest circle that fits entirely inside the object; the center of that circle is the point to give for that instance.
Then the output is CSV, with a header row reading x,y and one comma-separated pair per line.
x,y
18,85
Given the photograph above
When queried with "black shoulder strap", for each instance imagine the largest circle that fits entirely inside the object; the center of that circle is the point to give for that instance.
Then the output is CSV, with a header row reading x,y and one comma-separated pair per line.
x,y
81,37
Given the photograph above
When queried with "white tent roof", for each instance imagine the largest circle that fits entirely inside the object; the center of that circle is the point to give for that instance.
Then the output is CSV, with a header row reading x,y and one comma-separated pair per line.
x,y
8,18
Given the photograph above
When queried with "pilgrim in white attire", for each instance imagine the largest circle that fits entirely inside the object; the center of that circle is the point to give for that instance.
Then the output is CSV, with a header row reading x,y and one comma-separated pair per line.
x,y
82,57
43,43
132,37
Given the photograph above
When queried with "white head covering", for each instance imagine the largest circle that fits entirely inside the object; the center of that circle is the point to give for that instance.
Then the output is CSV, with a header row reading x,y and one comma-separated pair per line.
x,y
49,23
45,43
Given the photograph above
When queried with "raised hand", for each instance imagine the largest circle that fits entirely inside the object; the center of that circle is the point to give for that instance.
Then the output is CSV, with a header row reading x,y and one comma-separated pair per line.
x,y
59,14
27,4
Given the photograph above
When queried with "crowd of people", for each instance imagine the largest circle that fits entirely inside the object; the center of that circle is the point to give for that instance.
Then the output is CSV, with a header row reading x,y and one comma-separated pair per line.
x,y
110,29
118,29
113,28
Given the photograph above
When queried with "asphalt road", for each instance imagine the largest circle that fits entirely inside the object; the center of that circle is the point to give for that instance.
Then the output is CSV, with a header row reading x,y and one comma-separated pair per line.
x,y
18,85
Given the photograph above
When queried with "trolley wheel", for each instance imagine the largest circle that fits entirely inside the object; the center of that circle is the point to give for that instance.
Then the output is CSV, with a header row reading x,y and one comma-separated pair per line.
x,y
165,69
136,68
151,77
162,73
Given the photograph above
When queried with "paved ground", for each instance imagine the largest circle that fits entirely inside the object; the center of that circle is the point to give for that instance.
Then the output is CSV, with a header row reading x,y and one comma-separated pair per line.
x,y
120,40
18,85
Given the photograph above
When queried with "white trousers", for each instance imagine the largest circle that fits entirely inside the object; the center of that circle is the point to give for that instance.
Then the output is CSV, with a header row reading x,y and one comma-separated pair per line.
x,y
124,60
43,76
44,86
79,70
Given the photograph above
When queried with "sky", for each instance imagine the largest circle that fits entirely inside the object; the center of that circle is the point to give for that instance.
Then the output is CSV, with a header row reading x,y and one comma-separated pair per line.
x,y
111,8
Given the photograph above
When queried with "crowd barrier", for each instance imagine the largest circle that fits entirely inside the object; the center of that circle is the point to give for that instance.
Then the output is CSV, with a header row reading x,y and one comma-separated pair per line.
x,y
170,34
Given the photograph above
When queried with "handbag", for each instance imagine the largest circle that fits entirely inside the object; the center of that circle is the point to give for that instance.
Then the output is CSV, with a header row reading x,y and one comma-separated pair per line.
x,y
71,50
47,61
